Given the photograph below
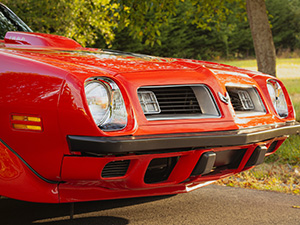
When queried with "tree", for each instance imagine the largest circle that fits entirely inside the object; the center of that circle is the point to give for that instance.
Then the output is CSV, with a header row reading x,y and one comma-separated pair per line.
x,y
262,36
81,20
85,20
206,14
285,22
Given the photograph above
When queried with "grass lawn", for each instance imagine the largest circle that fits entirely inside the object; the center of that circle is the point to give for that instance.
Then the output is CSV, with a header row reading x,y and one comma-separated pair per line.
x,y
281,171
286,68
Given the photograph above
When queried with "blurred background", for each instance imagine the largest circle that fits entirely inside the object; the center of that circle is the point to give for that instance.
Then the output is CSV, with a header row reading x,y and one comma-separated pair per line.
x,y
174,28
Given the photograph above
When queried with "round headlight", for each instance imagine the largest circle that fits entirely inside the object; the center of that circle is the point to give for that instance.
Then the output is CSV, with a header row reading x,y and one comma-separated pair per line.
x,y
98,99
106,103
277,97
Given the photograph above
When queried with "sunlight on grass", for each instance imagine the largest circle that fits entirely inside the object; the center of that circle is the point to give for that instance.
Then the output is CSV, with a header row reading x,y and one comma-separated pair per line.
x,y
286,68
272,177
292,85
289,152
241,63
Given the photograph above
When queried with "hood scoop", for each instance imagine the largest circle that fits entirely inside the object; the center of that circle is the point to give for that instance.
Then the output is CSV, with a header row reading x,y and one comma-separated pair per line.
x,y
40,40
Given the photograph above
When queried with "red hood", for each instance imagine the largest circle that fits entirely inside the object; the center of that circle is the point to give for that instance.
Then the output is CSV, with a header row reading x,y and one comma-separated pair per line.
x,y
67,54
112,61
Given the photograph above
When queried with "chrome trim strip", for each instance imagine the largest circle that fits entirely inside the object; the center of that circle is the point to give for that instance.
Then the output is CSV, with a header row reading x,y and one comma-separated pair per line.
x,y
183,118
213,100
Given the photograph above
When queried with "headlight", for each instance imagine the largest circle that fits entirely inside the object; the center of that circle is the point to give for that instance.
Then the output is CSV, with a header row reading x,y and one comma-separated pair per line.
x,y
106,104
278,98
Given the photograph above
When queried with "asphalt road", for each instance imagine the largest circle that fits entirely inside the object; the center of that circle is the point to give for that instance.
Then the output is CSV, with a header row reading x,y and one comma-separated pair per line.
x,y
208,205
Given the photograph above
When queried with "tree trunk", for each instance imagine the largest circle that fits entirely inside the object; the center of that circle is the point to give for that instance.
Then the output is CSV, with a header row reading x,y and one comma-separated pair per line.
x,y
262,36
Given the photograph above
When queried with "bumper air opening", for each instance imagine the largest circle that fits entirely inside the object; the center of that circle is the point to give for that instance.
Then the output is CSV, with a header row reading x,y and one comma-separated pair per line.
x,y
115,169
159,169
215,162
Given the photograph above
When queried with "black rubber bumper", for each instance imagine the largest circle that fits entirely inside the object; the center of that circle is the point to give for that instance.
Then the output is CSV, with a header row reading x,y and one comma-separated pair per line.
x,y
125,144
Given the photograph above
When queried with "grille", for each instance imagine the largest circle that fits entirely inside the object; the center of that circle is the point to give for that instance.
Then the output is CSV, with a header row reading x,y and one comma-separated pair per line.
x,y
245,100
177,100
115,169
237,102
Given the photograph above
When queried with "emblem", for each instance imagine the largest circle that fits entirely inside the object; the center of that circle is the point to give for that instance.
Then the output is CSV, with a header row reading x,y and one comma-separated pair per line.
x,y
225,99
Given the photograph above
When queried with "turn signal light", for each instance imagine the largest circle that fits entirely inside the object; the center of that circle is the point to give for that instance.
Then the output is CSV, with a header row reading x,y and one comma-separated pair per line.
x,y
26,122
26,118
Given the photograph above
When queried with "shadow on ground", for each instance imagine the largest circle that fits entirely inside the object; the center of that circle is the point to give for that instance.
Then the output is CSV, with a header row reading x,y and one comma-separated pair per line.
x,y
18,212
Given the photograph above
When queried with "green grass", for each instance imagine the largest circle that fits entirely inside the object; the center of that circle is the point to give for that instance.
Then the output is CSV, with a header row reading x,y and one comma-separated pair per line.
x,y
292,85
296,103
290,62
240,63
286,68
288,153
271,177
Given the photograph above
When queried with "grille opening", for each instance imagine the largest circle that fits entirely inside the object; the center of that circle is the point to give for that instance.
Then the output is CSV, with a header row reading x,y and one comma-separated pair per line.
x,y
245,100
115,169
179,102
160,169
229,159
240,103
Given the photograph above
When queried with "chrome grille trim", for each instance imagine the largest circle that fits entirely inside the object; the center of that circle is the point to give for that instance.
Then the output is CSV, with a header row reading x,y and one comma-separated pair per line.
x,y
182,102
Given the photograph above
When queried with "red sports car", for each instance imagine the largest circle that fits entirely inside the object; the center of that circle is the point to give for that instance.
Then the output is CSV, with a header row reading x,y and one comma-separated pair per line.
x,y
80,124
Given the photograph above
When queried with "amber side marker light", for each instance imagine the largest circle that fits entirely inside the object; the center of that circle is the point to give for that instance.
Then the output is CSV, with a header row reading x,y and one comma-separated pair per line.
x,y
26,122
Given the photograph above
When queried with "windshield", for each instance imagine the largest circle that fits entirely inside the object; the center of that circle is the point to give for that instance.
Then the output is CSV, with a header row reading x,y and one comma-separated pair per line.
x,y
10,22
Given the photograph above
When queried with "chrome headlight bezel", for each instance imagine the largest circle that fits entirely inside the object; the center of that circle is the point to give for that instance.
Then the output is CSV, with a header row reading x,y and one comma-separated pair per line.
x,y
278,98
107,107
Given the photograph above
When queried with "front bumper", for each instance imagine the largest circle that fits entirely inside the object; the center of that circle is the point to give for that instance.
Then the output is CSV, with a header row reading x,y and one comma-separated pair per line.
x,y
132,166
114,145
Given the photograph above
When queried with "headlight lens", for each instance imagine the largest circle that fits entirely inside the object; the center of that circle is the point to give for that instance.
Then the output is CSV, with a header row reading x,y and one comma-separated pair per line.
x,y
277,97
106,104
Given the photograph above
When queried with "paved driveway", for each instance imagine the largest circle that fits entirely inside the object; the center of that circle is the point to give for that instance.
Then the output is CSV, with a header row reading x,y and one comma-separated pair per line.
x,y
209,205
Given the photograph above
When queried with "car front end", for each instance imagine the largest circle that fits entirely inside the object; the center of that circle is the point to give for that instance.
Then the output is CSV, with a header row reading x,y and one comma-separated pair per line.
x,y
81,124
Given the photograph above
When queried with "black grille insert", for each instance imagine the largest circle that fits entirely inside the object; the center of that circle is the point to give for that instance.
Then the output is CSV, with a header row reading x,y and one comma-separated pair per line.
x,y
115,169
177,100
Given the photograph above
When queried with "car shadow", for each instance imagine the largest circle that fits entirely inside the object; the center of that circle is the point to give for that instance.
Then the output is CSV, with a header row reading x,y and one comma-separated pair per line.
x,y
19,212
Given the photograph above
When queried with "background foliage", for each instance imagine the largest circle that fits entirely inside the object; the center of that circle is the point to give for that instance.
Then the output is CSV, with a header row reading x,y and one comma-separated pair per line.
x,y
201,29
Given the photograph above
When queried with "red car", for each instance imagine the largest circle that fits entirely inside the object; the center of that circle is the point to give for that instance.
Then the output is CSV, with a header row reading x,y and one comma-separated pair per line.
x,y
80,124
